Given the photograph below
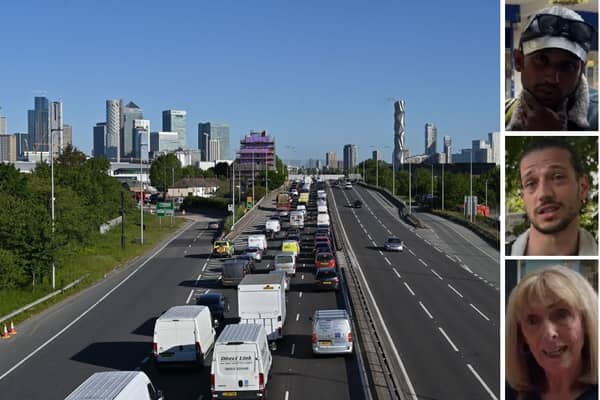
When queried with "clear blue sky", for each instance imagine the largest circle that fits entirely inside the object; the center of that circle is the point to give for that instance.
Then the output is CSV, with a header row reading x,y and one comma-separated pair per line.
x,y
315,74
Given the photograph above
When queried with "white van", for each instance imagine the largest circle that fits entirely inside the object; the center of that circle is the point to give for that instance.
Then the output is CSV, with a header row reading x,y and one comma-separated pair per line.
x,y
241,362
261,300
116,385
321,194
183,334
259,241
297,219
272,226
322,220
285,261
331,332
322,209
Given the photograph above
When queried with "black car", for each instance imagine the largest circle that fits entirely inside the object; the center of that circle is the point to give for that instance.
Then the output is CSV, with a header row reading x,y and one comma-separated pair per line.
x,y
357,204
215,302
327,279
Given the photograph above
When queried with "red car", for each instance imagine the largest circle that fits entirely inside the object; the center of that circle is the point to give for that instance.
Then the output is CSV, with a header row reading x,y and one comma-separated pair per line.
x,y
325,260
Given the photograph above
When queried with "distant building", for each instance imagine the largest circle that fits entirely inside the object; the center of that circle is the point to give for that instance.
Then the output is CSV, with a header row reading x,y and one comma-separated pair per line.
x,y
330,159
257,153
214,150
113,130
349,157
208,131
129,113
494,141
163,142
189,157
430,139
22,140
8,148
447,150
141,138
38,124
3,127
376,155
176,121
56,127
67,135
99,137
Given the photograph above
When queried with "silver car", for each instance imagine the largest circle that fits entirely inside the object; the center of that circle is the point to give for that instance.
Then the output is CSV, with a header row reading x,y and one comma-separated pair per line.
x,y
393,243
331,332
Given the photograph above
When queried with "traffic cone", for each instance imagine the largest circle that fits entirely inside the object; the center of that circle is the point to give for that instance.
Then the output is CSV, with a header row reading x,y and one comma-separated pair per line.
x,y
12,331
4,333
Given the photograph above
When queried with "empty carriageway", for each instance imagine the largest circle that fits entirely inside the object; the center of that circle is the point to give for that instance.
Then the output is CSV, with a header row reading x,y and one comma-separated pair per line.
x,y
443,321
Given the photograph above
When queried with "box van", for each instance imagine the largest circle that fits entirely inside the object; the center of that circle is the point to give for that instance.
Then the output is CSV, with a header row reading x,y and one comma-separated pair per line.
x,y
286,277
272,226
234,271
290,245
297,219
321,194
259,241
321,209
285,261
116,385
183,334
331,332
241,362
261,300
322,220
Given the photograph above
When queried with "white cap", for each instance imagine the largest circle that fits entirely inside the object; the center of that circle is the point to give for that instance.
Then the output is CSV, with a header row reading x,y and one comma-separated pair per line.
x,y
555,42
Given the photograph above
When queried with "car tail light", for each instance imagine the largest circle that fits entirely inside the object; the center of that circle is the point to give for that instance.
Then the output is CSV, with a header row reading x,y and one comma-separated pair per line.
x,y
314,338
336,279
332,263
261,382
350,337
155,349
212,382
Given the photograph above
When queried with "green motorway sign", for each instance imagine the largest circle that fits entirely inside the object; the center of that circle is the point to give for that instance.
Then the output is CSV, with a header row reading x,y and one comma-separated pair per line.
x,y
163,209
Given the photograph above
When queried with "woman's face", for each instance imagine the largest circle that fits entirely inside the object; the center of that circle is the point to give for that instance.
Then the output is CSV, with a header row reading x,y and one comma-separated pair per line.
x,y
555,336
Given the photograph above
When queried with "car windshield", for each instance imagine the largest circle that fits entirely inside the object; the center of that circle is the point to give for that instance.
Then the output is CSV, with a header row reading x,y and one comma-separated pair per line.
x,y
326,273
324,257
251,249
394,240
284,259
206,300
221,243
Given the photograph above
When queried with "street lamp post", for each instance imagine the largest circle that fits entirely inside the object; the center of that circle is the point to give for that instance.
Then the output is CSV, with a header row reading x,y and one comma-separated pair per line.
x,y
442,187
470,202
253,199
233,193
52,196
141,196
409,188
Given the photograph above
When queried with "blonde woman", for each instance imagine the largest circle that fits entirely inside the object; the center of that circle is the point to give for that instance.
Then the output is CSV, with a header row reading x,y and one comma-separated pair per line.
x,y
552,337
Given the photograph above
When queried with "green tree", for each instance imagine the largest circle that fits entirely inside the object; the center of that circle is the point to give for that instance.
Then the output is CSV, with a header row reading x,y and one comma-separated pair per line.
x,y
164,170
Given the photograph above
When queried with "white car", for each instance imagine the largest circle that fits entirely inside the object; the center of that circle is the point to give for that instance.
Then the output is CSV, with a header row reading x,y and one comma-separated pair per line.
x,y
393,243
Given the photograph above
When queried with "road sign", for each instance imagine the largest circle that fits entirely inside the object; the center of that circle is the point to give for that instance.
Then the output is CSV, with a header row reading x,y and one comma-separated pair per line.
x,y
163,209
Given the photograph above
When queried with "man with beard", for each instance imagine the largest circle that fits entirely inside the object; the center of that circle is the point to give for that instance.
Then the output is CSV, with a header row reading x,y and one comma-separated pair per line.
x,y
551,58
554,189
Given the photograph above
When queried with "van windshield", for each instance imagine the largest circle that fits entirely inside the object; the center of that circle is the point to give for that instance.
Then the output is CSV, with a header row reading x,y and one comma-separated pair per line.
x,y
284,259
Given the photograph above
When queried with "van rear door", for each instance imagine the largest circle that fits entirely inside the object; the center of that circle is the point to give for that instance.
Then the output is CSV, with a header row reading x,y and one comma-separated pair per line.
x,y
176,340
236,369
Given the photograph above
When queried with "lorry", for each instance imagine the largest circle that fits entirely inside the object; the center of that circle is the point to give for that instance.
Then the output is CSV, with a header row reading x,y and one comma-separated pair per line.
x,y
241,362
261,300
283,203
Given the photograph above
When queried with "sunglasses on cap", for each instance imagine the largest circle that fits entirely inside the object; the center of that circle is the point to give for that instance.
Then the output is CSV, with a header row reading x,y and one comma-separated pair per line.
x,y
579,32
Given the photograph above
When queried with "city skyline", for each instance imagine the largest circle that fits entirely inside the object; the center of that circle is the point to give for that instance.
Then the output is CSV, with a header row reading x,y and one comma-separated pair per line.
x,y
334,91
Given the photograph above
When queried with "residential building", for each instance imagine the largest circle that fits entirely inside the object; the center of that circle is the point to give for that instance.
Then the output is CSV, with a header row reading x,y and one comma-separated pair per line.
x,y
257,154
3,127
214,150
176,121
330,159
8,148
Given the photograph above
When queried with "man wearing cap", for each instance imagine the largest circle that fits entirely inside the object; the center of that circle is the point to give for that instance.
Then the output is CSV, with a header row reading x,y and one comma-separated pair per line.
x,y
551,58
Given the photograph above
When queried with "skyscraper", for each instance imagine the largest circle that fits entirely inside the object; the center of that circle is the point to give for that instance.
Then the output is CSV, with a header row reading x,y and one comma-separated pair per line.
x,y
448,149
430,139
99,137
349,157
22,140
176,121
56,127
3,128
208,131
113,128
330,160
129,112
141,138
67,135
37,120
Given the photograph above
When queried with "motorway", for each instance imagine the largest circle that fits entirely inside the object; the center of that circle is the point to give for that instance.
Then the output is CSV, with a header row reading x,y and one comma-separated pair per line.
x,y
110,326
439,298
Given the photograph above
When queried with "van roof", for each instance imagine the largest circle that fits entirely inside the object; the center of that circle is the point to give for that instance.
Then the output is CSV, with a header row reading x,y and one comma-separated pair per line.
x,y
103,385
241,333
330,314
261,279
182,312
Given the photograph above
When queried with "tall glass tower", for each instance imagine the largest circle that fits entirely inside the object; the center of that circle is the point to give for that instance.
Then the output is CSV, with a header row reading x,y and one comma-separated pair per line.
x,y
176,121
208,131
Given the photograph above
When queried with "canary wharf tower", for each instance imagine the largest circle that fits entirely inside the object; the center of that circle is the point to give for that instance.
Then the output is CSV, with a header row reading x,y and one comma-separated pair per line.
x,y
399,146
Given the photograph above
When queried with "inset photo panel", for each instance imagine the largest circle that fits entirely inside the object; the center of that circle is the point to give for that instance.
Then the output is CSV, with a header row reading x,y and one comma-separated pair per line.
x,y
551,329
551,185
551,65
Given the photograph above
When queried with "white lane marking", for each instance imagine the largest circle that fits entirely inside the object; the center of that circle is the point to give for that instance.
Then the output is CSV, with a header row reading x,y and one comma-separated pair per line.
x,y
426,310
427,241
369,236
387,261
397,274
189,245
293,348
409,289
451,259
466,268
185,252
480,313
297,317
268,265
455,291
287,395
204,267
458,258
438,249
373,243
419,236
380,253
487,389
302,276
411,252
436,274
189,297
448,339
423,262
90,308
300,294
